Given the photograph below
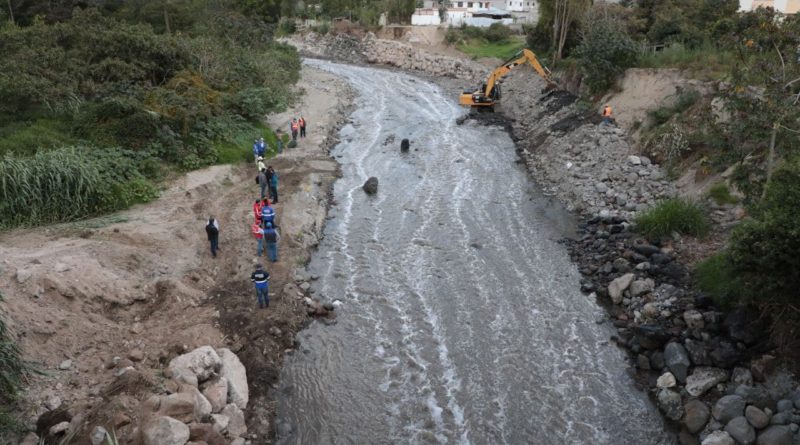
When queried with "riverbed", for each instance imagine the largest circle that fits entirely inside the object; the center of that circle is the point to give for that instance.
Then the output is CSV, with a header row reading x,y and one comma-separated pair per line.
x,y
462,319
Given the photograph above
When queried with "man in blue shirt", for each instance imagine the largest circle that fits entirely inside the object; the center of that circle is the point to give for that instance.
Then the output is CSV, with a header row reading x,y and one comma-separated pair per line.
x,y
261,279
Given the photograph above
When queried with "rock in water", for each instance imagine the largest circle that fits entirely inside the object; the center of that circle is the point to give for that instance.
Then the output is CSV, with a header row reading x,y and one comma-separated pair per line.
x,y
404,145
371,186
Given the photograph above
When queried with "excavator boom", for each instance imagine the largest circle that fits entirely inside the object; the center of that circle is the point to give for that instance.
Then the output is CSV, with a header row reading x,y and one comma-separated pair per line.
x,y
489,94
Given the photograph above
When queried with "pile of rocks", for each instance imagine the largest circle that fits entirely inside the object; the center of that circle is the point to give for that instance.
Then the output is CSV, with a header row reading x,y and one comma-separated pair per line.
x,y
708,371
371,49
204,401
591,168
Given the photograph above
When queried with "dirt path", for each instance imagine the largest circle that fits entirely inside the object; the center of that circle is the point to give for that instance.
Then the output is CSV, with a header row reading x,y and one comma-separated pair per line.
x,y
140,285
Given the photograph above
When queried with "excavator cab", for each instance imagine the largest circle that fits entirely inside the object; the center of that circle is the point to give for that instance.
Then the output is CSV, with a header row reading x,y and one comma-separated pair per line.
x,y
485,98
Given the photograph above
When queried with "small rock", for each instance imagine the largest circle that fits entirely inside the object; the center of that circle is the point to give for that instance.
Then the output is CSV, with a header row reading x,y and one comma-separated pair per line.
x,y
775,435
23,275
136,355
670,403
697,415
618,286
741,431
66,364
719,438
305,286
666,380
756,417
693,319
741,376
728,408
643,362
164,430
634,160
371,186
52,402
785,405
59,428
677,360
98,436
640,287
704,378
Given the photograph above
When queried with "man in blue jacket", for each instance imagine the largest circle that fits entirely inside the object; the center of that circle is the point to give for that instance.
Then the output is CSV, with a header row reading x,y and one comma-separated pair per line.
x,y
259,148
261,279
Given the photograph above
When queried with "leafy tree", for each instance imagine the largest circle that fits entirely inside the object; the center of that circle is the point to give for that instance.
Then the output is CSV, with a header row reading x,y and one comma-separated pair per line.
x,y
606,50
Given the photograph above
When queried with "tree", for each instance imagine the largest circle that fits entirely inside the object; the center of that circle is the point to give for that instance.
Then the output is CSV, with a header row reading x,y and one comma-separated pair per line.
x,y
606,49
565,13
764,97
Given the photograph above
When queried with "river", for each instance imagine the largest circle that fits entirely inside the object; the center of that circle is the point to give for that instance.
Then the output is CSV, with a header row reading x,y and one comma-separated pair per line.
x,y
462,320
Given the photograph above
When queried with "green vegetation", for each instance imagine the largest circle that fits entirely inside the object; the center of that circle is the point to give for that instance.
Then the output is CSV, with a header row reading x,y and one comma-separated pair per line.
x,y
720,193
96,104
495,41
706,62
673,215
683,102
606,51
480,48
715,277
13,372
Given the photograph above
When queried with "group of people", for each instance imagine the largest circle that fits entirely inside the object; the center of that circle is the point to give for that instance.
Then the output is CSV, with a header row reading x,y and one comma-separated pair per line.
x,y
298,127
264,228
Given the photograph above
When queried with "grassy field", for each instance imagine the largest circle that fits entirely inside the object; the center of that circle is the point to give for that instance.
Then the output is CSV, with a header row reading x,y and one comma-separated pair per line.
x,y
479,48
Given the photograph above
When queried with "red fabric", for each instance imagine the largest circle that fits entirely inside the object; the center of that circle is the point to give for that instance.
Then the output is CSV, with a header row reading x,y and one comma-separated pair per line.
x,y
256,231
257,210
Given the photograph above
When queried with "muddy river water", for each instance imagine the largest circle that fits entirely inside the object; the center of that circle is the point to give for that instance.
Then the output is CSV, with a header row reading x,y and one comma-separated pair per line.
x,y
462,319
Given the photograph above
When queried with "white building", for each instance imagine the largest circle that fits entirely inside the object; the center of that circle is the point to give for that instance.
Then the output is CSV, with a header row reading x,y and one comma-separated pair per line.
x,y
784,6
477,13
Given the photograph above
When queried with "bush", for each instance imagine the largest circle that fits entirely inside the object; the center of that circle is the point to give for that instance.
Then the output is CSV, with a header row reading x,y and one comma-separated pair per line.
x,y
715,276
497,32
720,193
673,215
682,103
323,28
763,252
606,51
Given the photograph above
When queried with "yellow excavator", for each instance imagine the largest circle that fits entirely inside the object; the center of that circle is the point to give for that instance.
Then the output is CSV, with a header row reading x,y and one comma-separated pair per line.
x,y
488,95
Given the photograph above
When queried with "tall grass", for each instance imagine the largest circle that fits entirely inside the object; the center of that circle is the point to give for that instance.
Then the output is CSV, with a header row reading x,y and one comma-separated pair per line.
x,y
707,62
714,275
673,215
479,48
68,183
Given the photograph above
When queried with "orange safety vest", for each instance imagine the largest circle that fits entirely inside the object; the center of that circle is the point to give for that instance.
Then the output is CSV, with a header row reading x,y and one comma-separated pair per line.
x,y
607,112
295,125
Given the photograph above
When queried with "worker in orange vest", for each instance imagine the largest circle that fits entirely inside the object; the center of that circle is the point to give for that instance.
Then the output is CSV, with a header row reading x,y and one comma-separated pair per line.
x,y
295,127
607,119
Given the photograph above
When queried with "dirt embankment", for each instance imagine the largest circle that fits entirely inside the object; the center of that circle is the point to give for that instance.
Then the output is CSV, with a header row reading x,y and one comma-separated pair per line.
x,y
136,288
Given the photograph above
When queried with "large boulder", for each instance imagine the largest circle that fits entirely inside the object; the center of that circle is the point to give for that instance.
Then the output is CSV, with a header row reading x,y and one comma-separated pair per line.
x,y
758,418
178,406
704,378
163,430
234,372
775,435
670,403
728,408
618,286
741,431
217,394
371,186
236,424
677,360
696,417
195,366
719,438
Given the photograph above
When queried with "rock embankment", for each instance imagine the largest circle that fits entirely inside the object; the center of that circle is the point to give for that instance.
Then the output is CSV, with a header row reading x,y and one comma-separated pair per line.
x,y
710,372
590,167
370,49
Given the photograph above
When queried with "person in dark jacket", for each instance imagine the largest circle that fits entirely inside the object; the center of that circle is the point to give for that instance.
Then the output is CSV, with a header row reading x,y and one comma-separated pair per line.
x,y
267,213
272,179
271,238
263,181
212,231
261,280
